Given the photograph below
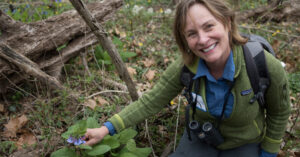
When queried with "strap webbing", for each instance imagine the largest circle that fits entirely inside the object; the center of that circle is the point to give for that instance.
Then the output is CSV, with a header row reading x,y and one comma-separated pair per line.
x,y
257,71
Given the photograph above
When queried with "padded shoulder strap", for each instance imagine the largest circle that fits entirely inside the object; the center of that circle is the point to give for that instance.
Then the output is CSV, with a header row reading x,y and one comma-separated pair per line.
x,y
257,70
186,76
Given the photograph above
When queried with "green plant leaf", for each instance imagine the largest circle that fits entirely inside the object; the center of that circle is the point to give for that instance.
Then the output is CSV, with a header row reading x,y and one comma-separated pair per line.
x,y
98,150
142,152
76,130
92,123
131,145
64,152
106,62
126,135
114,154
110,141
117,42
85,147
126,55
127,154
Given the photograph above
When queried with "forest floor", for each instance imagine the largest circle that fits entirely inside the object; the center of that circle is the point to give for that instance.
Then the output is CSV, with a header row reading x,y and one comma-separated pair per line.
x,y
142,32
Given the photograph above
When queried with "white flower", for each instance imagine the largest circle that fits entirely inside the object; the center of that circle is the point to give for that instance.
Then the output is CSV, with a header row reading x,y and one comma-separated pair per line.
x,y
126,6
136,9
150,10
283,64
168,11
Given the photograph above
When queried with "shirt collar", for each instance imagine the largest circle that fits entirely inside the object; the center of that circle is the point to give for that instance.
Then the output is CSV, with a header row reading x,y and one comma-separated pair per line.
x,y
228,73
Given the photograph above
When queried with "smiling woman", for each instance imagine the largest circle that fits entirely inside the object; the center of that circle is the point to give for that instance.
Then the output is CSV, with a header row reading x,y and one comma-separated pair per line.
x,y
224,122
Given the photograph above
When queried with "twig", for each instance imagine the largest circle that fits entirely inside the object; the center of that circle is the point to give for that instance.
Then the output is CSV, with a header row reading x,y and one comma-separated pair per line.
x,y
17,86
107,81
149,138
108,91
86,67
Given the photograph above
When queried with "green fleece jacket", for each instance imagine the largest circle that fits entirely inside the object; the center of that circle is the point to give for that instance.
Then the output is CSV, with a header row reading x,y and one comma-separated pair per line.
x,y
248,123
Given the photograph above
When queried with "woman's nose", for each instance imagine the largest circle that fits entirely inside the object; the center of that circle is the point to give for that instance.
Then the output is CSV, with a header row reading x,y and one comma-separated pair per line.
x,y
202,38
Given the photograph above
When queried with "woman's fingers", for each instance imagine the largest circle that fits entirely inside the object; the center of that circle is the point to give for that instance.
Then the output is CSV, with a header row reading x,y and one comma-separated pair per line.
x,y
91,142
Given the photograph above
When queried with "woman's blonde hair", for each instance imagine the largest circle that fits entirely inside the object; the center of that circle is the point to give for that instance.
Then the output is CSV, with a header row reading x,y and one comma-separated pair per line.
x,y
219,9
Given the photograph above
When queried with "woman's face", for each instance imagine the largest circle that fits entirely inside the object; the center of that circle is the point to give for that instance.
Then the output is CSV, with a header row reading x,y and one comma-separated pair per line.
x,y
206,36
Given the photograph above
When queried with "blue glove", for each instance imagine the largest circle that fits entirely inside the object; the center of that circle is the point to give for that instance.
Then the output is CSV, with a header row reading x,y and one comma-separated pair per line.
x,y
267,154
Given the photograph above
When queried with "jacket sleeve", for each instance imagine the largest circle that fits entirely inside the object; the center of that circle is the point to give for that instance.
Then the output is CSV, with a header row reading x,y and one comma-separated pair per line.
x,y
277,105
152,101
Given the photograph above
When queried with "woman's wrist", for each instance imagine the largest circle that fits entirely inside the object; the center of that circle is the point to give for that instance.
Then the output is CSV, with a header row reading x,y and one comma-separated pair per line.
x,y
110,128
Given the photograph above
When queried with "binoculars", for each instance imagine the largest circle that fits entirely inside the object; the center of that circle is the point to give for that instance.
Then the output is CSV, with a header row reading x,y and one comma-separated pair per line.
x,y
206,133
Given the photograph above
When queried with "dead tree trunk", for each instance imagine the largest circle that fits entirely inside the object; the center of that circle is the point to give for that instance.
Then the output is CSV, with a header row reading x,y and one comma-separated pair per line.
x,y
28,66
107,44
39,41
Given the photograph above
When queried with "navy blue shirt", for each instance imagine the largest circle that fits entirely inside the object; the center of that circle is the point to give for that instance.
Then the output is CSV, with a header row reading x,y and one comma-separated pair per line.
x,y
217,89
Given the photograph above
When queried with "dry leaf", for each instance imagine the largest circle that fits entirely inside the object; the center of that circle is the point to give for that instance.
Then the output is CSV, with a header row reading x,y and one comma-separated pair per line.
x,y
14,125
276,44
150,74
281,154
166,60
122,34
90,103
100,101
117,31
297,154
148,62
131,71
162,129
26,138
1,108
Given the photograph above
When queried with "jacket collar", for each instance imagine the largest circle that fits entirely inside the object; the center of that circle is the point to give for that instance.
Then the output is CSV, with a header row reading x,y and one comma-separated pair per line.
x,y
228,73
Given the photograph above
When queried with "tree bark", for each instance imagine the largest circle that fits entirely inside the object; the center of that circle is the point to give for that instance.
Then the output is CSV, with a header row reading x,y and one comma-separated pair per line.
x,y
107,44
28,66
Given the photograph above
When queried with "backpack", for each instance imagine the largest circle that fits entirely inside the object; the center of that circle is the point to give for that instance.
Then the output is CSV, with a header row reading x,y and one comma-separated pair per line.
x,y
256,69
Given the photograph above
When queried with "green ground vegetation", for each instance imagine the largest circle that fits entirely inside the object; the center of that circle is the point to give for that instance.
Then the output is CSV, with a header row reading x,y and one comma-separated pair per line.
x,y
142,32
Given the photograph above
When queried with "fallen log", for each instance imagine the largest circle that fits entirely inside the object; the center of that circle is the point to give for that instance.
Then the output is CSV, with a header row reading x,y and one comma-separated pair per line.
x,y
28,66
39,41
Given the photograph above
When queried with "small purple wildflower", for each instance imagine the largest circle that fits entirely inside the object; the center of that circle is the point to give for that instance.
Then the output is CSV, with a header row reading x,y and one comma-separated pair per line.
x,y
57,1
75,141
27,6
44,12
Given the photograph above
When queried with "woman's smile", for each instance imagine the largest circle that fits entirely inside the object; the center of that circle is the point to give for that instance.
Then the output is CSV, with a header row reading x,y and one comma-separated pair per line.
x,y
209,49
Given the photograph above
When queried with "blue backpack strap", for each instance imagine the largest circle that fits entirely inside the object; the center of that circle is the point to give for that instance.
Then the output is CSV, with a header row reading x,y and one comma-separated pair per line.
x,y
257,70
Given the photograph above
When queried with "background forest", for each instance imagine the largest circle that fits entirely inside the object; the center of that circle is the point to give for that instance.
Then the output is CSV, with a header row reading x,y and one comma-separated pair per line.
x,y
37,119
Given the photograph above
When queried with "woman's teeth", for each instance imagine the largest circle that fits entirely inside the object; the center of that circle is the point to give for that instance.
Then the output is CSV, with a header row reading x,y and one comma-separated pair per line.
x,y
210,48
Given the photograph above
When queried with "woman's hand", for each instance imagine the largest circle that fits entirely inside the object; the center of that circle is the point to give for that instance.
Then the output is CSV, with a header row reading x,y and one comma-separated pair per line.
x,y
93,136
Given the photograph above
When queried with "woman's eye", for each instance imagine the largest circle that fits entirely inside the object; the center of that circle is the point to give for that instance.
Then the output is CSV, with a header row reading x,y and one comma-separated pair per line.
x,y
191,34
209,27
